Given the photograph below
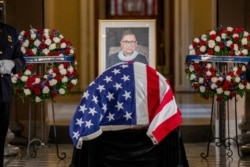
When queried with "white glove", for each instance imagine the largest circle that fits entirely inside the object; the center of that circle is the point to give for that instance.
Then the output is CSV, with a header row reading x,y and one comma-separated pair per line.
x,y
6,66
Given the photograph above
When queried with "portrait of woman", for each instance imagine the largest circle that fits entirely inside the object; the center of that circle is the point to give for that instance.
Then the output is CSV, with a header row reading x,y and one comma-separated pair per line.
x,y
129,49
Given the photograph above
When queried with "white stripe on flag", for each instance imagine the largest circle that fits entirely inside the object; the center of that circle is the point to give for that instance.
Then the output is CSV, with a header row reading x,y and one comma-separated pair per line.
x,y
141,94
163,86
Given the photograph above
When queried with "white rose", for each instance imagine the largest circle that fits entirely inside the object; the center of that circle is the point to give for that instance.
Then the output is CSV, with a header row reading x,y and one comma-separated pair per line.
x,y
228,77
235,35
27,72
45,90
197,40
46,31
204,37
208,73
230,29
61,36
218,39
64,79
219,90
202,48
23,50
245,33
223,36
209,65
24,78
74,81
213,86
52,82
37,42
244,41
21,34
61,91
229,43
220,78
211,43
227,92
248,86
217,48
201,80
63,45
37,80
237,52
192,77
237,79
52,46
190,47
63,71
45,76
14,79
33,36
214,79
212,32
26,43
244,52
34,51
71,51
48,41
50,71
46,51
241,86
235,68
27,92
38,99
202,89
56,39
70,69
192,52
243,68
61,66
236,47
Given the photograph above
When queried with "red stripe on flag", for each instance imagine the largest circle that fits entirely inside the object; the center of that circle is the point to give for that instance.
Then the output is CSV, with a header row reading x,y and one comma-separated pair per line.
x,y
167,126
153,92
169,96
170,123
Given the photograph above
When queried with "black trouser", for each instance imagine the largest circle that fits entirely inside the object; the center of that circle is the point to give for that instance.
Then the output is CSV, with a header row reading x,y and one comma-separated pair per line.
x,y
4,125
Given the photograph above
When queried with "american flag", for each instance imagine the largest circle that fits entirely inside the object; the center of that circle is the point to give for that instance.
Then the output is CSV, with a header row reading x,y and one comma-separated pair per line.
x,y
127,95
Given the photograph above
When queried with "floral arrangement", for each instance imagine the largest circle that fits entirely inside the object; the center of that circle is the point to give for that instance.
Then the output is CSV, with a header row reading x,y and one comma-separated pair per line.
x,y
58,78
44,42
204,76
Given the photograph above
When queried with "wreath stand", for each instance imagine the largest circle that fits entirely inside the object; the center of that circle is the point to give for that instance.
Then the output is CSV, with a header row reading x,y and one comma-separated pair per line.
x,y
222,136
40,142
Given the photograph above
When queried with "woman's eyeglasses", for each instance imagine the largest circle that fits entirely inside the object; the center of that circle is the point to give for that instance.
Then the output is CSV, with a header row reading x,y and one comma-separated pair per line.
x,y
131,43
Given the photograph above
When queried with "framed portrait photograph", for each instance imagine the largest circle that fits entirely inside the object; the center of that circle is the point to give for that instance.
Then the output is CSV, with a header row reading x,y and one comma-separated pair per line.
x,y
126,40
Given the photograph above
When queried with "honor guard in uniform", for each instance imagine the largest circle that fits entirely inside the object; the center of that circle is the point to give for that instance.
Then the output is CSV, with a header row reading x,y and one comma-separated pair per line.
x,y
11,62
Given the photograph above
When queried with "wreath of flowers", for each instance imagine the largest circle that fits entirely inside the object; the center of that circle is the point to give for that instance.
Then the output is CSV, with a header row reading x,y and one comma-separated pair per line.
x,y
58,78
204,76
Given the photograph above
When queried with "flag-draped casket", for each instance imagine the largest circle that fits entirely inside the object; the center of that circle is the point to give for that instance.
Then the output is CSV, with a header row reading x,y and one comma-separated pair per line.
x,y
127,95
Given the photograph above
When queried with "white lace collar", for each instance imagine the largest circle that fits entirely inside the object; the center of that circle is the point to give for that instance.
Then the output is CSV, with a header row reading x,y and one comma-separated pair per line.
x,y
127,58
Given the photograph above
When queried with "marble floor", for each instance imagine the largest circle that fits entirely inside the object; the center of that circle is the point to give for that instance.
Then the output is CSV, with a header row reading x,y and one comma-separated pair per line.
x,y
195,111
47,157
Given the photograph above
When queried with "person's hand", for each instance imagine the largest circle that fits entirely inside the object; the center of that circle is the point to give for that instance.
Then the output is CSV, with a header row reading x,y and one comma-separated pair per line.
x,y
6,66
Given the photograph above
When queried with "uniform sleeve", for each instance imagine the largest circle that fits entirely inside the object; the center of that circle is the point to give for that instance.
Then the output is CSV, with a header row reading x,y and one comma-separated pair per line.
x,y
17,56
